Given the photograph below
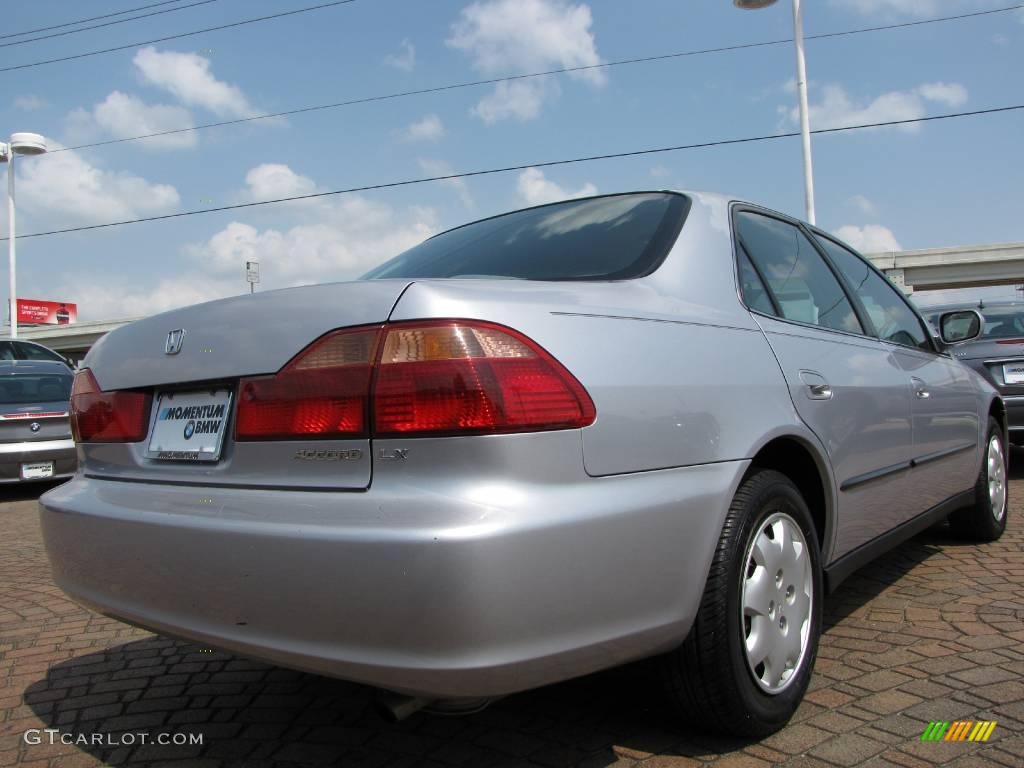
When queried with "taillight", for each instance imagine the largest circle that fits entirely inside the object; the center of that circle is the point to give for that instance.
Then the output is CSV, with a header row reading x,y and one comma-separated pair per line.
x,y
469,377
107,417
444,377
321,393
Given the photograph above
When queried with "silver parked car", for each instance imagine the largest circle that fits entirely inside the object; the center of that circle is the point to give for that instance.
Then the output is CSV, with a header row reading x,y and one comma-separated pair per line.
x,y
35,432
529,448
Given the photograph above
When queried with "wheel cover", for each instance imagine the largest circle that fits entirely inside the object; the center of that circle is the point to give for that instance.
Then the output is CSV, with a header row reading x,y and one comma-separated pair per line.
x,y
996,475
777,602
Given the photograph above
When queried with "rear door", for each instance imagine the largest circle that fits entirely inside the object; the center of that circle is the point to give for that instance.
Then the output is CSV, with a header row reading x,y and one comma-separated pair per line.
x,y
848,387
945,402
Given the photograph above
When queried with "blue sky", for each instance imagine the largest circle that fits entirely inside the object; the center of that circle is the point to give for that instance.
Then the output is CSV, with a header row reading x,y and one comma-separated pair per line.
x,y
948,183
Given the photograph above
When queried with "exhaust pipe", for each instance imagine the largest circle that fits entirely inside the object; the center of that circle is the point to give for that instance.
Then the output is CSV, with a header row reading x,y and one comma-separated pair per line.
x,y
397,707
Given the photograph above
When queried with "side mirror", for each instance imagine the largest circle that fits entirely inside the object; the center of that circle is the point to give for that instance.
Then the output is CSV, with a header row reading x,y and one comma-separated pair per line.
x,y
960,326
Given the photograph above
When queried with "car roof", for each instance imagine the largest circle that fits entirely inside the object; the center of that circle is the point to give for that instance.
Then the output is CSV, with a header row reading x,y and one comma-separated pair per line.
x,y
33,366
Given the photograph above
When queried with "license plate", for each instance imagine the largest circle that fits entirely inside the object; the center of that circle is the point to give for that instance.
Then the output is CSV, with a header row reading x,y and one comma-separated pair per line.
x,y
1013,373
190,426
37,470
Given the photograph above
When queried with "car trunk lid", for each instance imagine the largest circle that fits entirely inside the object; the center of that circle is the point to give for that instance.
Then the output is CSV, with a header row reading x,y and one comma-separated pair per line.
x,y
178,356
38,421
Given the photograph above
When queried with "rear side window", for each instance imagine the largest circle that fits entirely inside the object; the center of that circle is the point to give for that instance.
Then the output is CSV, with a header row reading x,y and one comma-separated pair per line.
x,y
616,237
893,319
754,293
803,286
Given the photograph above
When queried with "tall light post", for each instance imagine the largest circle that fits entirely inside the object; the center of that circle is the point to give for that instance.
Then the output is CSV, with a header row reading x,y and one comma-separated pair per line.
x,y
20,144
801,85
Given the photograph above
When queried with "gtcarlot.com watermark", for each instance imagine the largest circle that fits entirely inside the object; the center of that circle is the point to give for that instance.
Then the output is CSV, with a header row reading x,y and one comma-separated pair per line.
x,y
36,736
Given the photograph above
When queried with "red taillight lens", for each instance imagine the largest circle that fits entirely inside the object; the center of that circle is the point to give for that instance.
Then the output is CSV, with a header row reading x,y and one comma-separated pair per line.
x,y
107,417
470,377
321,393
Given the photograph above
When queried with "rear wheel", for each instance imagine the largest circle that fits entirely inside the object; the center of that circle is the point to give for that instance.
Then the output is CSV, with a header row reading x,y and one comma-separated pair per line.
x,y
985,520
746,663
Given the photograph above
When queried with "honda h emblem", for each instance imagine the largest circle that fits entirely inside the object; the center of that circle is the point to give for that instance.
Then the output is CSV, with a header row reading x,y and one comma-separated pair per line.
x,y
174,339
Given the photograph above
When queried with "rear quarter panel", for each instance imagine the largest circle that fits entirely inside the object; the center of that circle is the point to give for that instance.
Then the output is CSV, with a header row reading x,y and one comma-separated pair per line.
x,y
678,370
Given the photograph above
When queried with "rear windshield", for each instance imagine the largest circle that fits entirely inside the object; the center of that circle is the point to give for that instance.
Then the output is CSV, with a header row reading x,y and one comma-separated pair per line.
x,y
23,389
616,237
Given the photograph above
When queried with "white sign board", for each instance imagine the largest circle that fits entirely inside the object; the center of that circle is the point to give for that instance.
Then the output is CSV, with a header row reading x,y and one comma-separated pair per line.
x,y
252,271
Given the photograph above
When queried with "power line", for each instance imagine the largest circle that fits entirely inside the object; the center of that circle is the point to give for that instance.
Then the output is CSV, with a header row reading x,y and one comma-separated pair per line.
x,y
83,21
525,76
106,23
176,37
524,166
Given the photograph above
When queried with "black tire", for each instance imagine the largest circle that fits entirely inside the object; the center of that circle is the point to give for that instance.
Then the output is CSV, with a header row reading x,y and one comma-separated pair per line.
x,y
980,522
708,677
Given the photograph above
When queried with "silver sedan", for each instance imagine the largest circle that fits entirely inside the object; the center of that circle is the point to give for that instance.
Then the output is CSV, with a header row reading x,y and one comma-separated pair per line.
x,y
529,448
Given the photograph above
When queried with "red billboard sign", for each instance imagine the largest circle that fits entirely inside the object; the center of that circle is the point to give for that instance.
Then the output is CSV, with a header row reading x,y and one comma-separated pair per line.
x,y
48,312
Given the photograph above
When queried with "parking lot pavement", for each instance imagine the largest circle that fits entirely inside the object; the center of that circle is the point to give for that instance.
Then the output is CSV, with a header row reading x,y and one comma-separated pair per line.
x,y
932,632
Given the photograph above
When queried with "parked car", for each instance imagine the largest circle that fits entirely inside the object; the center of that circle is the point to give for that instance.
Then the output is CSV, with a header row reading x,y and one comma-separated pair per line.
x,y
998,355
35,431
532,447
18,349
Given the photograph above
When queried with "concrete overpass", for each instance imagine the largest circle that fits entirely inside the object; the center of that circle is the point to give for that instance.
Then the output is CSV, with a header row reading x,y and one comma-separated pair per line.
x,y
960,267
70,340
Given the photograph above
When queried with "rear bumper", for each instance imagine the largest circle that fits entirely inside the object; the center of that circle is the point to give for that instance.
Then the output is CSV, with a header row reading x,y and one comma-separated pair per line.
x,y
427,588
60,452
1015,415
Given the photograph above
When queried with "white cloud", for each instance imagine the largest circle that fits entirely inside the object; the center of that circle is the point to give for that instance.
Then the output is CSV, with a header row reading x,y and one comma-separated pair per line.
x,y
272,181
864,205
660,172
188,77
871,238
427,128
837,108
508,36
339,237
122,115
536,189
112,299
948,94
66,184
521,100
405,60
29,103
440,168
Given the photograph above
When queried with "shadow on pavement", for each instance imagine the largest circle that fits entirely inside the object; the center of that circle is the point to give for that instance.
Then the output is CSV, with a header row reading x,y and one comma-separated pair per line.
x,y
26,491
257,714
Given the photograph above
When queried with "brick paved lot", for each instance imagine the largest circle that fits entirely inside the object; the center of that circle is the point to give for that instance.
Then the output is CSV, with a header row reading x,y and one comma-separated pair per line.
x,y
933,631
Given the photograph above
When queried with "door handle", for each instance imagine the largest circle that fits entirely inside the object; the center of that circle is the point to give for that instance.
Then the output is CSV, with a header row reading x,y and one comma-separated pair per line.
x,y
920,389
817,387
819,391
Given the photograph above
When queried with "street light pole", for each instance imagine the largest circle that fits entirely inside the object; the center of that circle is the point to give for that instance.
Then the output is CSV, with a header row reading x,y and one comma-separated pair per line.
x,y
801,85
12,255
20,144
805,117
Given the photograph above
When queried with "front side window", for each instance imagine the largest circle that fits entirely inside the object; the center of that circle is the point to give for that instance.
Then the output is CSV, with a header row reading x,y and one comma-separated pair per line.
x,y
616,237
893,319
802,284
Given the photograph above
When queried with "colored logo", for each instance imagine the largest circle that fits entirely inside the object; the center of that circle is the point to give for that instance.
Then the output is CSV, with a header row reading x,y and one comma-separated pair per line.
x,y
190,429
959,730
